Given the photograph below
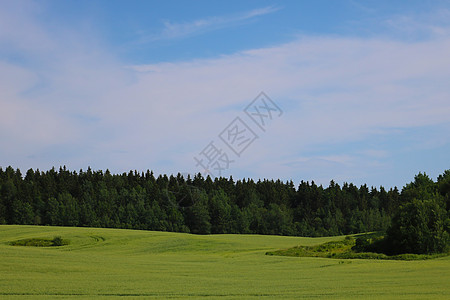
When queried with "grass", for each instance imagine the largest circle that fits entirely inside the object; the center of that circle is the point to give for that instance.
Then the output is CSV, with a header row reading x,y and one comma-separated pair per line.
x,y
342,249
115,263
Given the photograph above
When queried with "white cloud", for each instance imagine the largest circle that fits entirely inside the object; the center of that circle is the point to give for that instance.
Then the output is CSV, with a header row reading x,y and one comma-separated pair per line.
x,y
333,90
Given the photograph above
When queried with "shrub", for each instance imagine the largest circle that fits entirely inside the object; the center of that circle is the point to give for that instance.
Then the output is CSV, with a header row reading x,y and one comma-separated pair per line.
x,y
57,241
36,242
361,244
32,243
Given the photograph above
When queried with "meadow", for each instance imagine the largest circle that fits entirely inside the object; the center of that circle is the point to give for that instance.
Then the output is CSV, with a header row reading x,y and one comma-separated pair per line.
x,y
117,263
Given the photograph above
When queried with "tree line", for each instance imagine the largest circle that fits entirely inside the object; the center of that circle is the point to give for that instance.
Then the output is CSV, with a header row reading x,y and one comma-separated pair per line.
x,y
201,205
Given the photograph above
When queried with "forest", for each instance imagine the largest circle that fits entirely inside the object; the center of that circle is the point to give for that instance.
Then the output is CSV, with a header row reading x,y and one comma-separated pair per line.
x,y
138,200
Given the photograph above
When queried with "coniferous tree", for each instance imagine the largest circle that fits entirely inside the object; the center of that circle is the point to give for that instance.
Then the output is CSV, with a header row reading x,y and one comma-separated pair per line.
x,y
201,205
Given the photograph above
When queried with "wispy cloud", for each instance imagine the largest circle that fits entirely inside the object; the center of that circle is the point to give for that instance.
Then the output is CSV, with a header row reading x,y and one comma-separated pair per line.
x,y
435,23
174,30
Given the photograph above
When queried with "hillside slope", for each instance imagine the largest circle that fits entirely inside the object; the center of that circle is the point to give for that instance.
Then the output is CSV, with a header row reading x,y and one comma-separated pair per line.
x,y
109,263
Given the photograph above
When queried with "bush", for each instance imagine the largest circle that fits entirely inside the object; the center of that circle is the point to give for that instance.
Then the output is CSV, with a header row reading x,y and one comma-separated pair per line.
x,y
57,241
361,244
32,243
36,242
363,255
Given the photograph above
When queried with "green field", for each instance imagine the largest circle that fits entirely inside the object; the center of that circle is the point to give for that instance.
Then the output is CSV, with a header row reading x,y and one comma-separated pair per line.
x,y
116,263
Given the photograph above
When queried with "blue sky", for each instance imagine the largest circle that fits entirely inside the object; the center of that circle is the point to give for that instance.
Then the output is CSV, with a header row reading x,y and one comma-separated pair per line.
x,y
136,85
